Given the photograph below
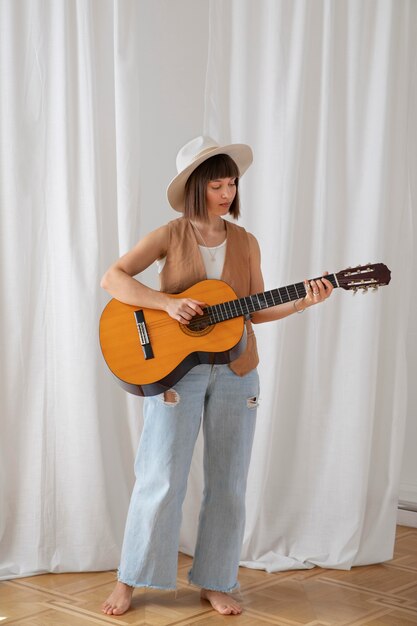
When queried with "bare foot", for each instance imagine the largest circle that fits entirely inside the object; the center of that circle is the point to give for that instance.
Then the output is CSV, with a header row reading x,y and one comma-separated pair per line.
x,y
119,600
221,602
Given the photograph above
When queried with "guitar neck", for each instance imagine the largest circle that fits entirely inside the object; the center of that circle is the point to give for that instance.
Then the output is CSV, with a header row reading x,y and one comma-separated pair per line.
x,y
259,301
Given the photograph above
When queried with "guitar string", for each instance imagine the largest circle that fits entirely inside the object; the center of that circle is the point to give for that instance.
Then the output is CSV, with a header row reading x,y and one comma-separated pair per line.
x,y
269,300
266,295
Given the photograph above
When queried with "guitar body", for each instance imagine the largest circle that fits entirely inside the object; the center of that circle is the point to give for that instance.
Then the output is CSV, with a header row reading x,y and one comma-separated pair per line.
x,y
149,352
175,347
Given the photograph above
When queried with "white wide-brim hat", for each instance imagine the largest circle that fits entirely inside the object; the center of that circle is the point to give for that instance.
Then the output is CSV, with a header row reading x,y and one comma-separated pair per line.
x,y
193,154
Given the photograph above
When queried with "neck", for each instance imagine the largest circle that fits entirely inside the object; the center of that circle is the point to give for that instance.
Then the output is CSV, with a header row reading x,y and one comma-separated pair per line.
x,y
215,224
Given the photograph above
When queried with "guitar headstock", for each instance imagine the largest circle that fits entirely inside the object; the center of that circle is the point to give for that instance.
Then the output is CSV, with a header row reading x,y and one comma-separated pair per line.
x,y
364,277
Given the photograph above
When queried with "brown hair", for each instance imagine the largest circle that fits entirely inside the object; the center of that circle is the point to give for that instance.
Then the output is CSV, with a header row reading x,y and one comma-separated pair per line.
x,y
219,166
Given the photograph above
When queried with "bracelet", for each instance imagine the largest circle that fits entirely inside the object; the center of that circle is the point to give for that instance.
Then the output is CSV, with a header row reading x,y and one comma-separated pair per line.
x,y
295,308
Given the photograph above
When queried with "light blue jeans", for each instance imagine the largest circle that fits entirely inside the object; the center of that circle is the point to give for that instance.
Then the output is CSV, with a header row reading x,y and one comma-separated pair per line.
x,y
226,403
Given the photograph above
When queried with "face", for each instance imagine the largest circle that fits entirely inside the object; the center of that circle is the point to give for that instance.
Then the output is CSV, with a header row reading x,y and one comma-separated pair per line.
x,y
220,194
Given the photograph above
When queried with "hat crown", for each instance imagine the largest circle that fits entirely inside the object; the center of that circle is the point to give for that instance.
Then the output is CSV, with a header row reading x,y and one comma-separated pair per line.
x,y
194,150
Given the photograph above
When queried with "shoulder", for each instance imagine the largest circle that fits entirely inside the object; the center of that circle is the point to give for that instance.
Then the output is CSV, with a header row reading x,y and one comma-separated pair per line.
x,y
241,230
177,231
179,224
245,237
253,245
154,243
161,236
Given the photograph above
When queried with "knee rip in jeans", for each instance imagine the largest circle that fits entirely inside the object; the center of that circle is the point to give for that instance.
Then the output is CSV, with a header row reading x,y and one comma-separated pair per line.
x,y
170,397
252,402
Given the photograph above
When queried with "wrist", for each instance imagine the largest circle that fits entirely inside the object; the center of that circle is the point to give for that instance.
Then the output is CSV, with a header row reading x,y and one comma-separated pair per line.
x,y
166,302
297,307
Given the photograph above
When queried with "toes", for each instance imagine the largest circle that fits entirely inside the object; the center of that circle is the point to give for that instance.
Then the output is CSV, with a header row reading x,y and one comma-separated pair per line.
x,y
224,610
228,610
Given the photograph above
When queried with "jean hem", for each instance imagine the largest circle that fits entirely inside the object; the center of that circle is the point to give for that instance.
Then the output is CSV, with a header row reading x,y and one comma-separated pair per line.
x,y
209,587
130,583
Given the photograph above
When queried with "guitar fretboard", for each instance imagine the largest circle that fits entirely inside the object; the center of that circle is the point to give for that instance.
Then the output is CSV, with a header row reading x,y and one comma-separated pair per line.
x,y
258,301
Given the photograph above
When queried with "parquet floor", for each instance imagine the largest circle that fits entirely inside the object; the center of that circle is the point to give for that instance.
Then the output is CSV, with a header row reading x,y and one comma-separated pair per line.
x,y
376,595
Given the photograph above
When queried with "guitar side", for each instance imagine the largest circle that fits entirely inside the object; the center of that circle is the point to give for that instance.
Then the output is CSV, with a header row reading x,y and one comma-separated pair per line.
x,y
175,348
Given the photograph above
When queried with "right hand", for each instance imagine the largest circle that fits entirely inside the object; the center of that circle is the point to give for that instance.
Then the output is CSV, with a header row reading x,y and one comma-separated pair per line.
x,y
184,309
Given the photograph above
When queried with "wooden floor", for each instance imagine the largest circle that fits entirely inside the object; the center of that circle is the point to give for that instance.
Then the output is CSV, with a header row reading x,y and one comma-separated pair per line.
x,y
376,595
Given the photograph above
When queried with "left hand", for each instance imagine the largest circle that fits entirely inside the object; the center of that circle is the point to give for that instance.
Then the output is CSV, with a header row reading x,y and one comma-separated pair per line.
x,y
317,291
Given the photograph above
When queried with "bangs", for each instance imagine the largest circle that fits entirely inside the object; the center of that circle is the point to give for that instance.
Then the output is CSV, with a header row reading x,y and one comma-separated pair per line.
x,y
219,166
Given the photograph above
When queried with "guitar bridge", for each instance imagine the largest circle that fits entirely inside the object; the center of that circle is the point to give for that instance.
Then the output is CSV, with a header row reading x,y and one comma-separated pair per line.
x,y
143,335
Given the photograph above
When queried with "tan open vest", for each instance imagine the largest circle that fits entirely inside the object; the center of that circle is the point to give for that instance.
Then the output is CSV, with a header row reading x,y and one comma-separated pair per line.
x,y
184,267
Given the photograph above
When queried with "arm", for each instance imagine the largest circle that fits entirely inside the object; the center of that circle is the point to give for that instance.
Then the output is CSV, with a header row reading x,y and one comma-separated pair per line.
x,y
317,291
119,282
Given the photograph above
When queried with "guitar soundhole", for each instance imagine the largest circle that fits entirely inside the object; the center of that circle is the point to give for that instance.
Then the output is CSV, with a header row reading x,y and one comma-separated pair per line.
x,y
197,327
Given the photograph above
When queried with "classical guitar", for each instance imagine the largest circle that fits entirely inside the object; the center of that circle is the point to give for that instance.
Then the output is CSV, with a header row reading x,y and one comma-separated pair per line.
x,y
148,351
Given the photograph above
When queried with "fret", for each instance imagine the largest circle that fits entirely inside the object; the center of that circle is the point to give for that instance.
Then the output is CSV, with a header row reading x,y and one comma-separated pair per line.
x,y
279,295
301,290
292,291
216,313
262,298
244,301
283,294
271,298
241,306
251,306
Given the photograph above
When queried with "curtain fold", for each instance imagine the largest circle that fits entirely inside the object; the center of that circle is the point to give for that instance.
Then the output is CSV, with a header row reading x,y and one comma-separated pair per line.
x,y
66,472
322,93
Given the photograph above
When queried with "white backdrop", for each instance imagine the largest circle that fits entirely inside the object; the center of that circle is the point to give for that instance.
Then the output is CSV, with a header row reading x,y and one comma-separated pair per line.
x,y
95,99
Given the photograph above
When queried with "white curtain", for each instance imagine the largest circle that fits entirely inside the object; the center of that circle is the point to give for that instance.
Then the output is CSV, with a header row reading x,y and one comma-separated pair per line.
x,y
321,90
91,116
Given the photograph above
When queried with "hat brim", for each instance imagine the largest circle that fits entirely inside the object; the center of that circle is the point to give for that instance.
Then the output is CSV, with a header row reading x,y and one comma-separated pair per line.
x,y
240,153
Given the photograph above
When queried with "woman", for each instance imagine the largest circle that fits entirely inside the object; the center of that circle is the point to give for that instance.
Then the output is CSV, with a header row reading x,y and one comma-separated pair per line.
x,y
196,246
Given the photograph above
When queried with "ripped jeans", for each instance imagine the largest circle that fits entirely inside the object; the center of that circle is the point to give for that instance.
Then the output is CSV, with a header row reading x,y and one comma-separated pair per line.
x,y
226,404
